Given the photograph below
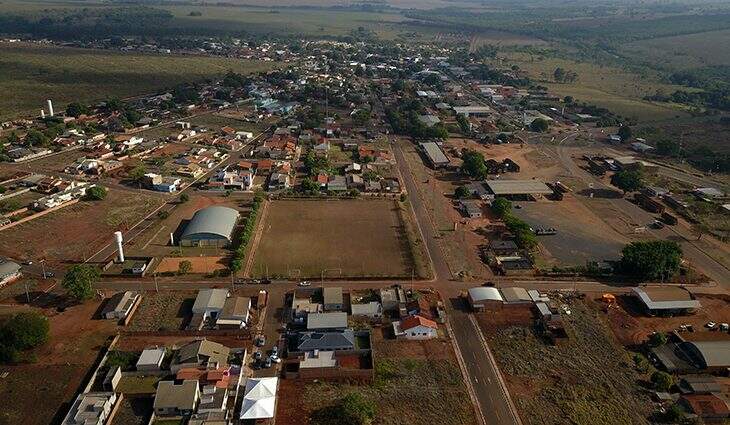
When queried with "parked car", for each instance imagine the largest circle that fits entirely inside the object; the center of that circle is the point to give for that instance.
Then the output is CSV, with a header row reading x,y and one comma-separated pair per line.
x,y
305,283
275,351
267,364
257,355
275,359
48,275
711,325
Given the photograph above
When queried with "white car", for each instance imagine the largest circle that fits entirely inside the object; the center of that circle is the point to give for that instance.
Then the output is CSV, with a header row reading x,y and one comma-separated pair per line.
x,y
711,325
305,283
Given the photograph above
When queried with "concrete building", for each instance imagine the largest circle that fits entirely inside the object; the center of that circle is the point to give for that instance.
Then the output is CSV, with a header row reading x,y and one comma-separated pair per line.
x,y
211,226
174,400
210,302
332,299
235,313
151,359
327,321
91,409
9,272
120,305
518,187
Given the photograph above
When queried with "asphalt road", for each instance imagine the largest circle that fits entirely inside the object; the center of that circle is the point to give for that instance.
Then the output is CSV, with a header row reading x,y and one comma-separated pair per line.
x,y
482,373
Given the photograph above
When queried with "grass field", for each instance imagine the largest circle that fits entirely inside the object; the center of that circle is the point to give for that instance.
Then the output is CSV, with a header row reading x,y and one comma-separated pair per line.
x,y
684,51
586,381
163,310
617,89
416,383
359,237
31,74
78,230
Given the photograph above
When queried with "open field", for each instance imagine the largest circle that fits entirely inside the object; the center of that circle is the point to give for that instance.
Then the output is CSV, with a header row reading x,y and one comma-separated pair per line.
x,y
619,90
38,392
163,310
416,383
588,380
684,51
77,231
36,73
359,237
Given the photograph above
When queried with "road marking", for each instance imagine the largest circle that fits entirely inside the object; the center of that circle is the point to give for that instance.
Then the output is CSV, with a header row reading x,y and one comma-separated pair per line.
x,y
153,237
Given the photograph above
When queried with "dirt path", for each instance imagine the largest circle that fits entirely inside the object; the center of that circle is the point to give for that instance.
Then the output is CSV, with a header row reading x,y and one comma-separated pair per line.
x,y
255,241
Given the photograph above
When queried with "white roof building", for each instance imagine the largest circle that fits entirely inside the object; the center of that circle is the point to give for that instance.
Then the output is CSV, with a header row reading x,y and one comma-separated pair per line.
x,y
259,400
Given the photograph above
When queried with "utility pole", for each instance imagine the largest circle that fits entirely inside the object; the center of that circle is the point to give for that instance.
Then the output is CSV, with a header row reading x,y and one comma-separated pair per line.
x,y
157,288
43,266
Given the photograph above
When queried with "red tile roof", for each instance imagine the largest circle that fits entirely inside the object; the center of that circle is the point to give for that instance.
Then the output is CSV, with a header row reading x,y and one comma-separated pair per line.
x,y
707,405
417,320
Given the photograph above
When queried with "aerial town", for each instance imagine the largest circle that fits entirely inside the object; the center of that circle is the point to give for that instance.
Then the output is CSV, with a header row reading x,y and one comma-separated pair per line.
x,y
360,233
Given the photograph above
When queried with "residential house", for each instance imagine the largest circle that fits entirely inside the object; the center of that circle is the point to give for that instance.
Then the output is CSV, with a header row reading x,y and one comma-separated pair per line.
x,y
235,313
200,353
327,321
333,299
337,184
175,400
151,359
326,341
371,310
91,409
209,302
416,327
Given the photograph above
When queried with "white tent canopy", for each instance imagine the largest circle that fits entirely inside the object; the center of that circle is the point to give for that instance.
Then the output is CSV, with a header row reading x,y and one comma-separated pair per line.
x,y
259,400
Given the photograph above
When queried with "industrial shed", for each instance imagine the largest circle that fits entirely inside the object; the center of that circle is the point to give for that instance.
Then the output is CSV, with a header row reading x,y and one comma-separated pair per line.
x,y
666,300
712,356
482,298
212,226
518,187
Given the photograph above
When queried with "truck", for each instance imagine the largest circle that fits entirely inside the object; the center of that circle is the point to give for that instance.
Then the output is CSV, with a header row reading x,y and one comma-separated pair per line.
x,y
669,218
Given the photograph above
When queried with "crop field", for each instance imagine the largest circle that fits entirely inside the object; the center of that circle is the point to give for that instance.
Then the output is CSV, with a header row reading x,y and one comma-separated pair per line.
x,y
684,51
619,90
416,382
76,231
357,237
588,380
31,74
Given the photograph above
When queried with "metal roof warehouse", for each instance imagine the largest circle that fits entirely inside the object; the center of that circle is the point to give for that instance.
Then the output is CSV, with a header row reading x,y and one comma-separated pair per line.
x,y
212,226
669,299
518,187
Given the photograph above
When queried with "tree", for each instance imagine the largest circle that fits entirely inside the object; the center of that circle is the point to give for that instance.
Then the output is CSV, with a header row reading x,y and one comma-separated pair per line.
x,y
559,75
75,109
462,192
79,281
651,260
36,138
502,207
464,124
568,100
539,125
184,267
657,338
137,174
668,147
624,132
236,266
662,380
96,193
24,331
628,180
473,165
184,197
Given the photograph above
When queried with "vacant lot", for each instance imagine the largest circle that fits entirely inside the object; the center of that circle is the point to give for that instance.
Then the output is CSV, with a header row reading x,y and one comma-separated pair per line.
x,y
356,237
35,74
588,380
75,232
163,311
684,51
416,383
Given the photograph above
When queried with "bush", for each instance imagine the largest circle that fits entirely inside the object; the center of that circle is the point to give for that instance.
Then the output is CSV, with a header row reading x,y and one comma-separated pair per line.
x,y
184,267
96,193
539,125
502,207
79,281
662,380
184,197
462,192
162,215
657,338
24,331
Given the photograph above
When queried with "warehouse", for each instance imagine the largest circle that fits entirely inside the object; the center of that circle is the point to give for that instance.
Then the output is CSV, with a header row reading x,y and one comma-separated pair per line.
x,y
473,111
484,298
212,226
434,154
667,300
510,188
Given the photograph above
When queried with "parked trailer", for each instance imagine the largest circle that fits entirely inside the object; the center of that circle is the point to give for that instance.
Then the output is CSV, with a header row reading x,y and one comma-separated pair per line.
x,y
562,187
669,218
650,204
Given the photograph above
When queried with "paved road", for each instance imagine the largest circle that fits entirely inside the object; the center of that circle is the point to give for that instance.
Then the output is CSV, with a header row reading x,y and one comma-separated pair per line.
x,y
483,375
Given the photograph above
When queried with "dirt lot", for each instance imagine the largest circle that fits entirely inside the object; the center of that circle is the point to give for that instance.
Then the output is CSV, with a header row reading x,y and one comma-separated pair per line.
x,y
199,264
77,231
163,310
632,327
417,383
588,380
313,236
36,393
